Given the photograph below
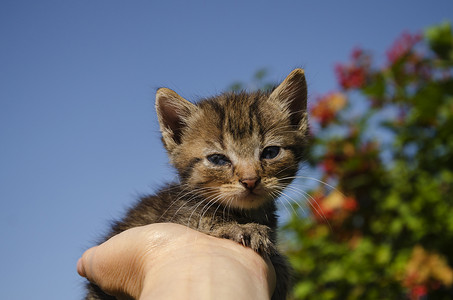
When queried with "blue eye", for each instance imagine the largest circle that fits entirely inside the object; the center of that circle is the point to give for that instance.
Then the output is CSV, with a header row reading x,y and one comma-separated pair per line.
x,y
218,159
270,152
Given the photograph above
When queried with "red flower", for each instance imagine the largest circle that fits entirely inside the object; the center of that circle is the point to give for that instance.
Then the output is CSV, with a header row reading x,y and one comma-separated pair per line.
x,y
357,53
417,292
321,212
350,76
329,166
350,204
354,74
402,46
334,207
327,107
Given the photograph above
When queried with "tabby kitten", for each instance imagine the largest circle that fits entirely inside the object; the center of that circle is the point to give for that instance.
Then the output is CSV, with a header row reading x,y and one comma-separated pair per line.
x,y
234,153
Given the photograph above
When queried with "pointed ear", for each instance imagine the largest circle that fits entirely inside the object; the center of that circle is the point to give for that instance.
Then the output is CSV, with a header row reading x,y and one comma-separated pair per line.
x,y
172,113
291,94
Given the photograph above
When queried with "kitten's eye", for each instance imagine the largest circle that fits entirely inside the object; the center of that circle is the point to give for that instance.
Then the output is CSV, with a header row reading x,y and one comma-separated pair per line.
x,y
218,159
270,152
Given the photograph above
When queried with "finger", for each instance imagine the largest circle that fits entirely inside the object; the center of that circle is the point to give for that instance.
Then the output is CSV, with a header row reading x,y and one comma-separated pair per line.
x,y
84,264
80,268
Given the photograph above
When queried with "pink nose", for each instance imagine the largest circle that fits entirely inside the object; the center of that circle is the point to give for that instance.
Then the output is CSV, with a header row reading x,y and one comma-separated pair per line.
x,y
250,183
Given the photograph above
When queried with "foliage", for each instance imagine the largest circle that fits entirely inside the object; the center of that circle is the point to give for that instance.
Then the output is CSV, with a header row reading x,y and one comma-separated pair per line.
x,y
385,141
381,224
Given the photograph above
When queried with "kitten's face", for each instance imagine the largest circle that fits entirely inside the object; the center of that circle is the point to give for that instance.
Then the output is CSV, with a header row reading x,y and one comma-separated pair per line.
x,y
239,150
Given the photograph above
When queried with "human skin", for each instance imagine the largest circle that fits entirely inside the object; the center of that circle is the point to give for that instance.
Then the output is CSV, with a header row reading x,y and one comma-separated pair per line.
x,y
171,261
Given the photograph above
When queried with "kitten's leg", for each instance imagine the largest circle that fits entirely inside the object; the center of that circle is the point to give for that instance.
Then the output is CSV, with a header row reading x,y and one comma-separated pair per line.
x,y
255,236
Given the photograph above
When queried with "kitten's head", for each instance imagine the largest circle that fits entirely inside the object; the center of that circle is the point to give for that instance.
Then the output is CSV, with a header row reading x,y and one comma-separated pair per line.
x,y
238,149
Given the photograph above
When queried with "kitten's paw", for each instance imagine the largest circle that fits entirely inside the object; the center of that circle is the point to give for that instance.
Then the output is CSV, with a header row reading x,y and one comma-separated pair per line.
x,y
255,236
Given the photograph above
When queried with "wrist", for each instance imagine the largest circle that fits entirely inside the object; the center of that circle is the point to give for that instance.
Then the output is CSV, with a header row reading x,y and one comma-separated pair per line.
x,y
209,268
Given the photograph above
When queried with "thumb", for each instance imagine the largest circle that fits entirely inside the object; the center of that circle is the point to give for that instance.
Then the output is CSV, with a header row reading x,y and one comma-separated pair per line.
x,y
116,266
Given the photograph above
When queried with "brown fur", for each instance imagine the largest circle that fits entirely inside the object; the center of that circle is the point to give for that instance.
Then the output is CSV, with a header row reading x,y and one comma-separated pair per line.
x,y
234,154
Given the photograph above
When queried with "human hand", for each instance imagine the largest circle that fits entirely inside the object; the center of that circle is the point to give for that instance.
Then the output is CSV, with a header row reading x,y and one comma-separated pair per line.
x,y
150,261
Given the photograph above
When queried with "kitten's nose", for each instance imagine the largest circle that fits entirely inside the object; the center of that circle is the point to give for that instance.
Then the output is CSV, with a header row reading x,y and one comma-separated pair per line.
x,y
250,183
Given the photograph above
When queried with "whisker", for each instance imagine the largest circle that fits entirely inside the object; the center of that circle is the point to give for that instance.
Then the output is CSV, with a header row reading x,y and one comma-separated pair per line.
x,y
287,211
318,210
179,197
296,202
211,202
227,204
195,209
314,179
193,196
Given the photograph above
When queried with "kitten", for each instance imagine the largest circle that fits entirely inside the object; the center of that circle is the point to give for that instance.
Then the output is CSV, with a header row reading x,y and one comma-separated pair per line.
x,y
234,154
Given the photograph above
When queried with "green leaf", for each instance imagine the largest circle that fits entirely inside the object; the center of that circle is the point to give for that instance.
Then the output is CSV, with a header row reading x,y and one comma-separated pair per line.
x,y
440,39
304,289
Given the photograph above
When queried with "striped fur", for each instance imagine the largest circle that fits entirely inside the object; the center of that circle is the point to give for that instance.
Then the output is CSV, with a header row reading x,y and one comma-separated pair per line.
x,y
234,153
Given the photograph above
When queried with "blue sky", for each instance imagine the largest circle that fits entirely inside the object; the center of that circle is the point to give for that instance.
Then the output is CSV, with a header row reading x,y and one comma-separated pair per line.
x,y
79,139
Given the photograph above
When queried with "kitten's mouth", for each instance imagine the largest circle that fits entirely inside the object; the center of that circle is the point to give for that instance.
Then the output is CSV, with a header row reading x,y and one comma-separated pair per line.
x,y
242,198
250,192
251,199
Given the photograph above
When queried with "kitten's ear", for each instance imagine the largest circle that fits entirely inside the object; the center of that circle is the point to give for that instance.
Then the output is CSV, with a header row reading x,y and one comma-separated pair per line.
x,y
172,112
291,94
